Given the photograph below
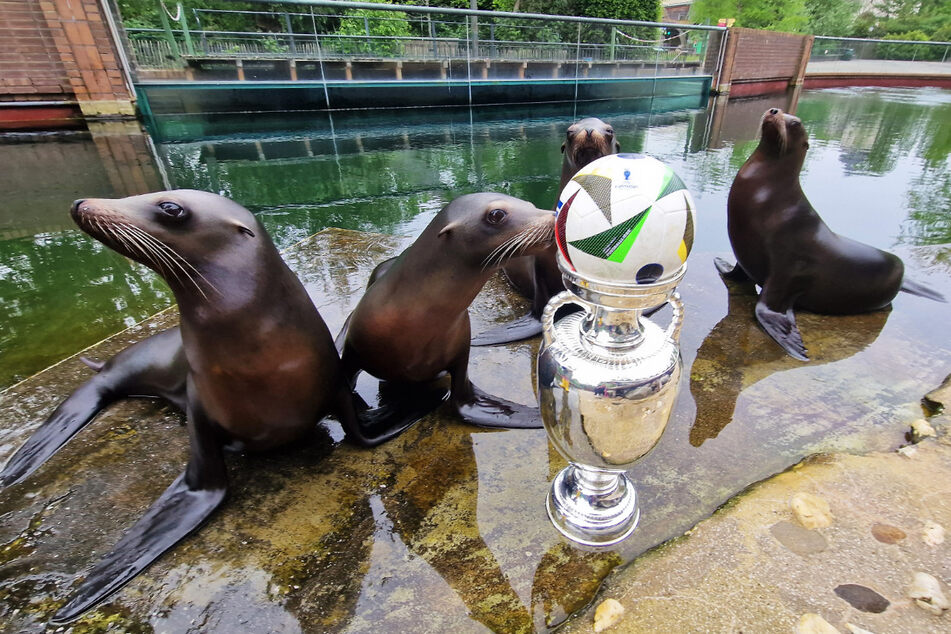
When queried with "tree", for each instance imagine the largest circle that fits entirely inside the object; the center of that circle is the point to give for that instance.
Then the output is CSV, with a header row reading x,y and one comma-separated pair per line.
x,y
775,15
831,17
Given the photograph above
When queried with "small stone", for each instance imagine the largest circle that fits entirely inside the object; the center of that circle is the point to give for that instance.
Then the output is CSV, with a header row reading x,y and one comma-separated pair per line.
x,y
938,399
921,429
798,539
607,614
933,533
908,451
926,591
888,534
810,623
862,598
811,510
855,629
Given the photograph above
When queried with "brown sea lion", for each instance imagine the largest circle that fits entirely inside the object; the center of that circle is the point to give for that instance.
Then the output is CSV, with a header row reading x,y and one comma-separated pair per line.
x,y
252,363
538,277
782,244
412,325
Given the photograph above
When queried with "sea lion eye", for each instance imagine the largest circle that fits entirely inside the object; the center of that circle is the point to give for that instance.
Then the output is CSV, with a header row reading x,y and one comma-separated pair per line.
x,y
496,216
172,210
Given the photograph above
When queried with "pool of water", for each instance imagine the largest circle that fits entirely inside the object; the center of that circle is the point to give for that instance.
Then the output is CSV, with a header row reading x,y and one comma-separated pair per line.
x,y
878,170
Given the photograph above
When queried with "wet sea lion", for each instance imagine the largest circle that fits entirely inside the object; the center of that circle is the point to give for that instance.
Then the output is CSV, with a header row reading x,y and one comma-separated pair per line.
x,y
252,363
538,277
412,324
782,244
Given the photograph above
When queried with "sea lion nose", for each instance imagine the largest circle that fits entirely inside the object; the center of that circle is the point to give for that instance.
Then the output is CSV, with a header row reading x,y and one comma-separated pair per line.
x,y
76,204
774,111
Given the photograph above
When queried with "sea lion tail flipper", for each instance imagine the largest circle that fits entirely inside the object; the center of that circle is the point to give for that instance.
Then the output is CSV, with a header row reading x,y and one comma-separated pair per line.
x,y
95,366
372,427
181,509
66,420
524,327
485,410
913,287
782,328
342,335
731,273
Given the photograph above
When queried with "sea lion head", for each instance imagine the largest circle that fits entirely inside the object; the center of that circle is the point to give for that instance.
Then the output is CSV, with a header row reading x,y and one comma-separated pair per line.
x,y
783,134
176,233
488,228
587,140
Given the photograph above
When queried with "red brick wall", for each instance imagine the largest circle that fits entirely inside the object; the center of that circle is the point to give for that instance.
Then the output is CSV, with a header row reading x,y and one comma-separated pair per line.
x,y
61,49
760,62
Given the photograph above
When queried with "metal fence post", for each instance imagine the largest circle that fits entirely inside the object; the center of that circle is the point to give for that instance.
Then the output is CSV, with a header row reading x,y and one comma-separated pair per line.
x,y
189,46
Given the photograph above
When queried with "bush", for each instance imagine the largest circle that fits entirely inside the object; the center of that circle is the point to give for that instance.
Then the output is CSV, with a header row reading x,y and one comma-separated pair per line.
x,y
909,51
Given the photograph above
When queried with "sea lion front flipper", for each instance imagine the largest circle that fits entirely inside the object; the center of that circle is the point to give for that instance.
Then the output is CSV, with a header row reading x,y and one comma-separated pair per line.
x,y
525,327
181,509
485,410
782,328
371,427
731,273
154,366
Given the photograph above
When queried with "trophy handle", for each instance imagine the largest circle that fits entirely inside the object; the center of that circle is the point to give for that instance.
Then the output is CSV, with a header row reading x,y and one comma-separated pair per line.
x,y
548,315
673,330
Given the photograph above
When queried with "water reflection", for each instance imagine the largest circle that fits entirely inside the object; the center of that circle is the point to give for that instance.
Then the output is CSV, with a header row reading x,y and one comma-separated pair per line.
x,y
738,353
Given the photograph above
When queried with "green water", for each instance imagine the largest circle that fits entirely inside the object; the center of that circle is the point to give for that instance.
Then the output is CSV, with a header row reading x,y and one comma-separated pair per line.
x,y
878,170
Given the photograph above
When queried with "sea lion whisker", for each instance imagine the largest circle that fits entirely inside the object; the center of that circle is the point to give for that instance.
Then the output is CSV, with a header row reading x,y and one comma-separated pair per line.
x,y
176,258
488,259
156,257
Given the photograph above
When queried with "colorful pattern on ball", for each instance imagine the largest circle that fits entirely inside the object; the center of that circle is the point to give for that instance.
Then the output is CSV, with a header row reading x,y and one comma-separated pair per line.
x,y
625,218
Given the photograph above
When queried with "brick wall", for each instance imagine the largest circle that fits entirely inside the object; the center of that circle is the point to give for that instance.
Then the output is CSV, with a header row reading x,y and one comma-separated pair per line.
x,y
61,50
760,62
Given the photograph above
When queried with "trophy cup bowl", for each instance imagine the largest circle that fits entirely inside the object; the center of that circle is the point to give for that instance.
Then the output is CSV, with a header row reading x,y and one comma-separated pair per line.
x,y
607,381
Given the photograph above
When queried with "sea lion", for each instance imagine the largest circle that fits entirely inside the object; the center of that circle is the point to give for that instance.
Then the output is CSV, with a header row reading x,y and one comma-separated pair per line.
x,y
252,363
782,244
412,324
538,277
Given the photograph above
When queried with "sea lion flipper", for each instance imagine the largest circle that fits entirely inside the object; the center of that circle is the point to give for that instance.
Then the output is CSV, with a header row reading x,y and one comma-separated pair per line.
x,y
782,328
66,420
485,410
915,288
525,327
371,427
730,273
182,508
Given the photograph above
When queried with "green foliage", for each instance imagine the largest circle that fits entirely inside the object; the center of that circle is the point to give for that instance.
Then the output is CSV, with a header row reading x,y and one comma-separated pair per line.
x,y
645,10
902,16
908,51
790,16
831,17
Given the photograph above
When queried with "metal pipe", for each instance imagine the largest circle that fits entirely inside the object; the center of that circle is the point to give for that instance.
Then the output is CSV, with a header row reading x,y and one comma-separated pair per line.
x,y
120,47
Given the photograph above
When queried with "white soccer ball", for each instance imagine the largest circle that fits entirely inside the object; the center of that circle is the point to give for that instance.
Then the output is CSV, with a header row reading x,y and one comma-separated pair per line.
x,y
625,218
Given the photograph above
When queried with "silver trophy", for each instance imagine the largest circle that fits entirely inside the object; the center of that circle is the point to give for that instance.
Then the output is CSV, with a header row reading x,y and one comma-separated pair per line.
x,y
607,380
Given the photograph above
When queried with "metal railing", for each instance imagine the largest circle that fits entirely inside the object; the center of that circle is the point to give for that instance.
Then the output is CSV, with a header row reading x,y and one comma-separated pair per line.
x,y
357,31
850,48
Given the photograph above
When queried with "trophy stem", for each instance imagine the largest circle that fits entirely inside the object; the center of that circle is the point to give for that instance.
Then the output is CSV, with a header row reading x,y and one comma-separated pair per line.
x,y
596,507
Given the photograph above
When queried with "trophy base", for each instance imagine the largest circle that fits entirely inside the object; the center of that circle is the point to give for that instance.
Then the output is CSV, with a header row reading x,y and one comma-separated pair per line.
x,y
592,506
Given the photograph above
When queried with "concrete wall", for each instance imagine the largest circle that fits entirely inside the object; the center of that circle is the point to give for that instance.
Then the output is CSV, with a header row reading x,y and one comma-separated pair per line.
x,y
61,51
763,62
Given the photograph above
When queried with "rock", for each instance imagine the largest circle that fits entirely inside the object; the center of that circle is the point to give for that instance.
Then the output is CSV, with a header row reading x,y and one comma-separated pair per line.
x,y
888,534
921,429
607,614
810,623
798,539
938,398
855,629
926,591
862,598
933,533
811,510
908,451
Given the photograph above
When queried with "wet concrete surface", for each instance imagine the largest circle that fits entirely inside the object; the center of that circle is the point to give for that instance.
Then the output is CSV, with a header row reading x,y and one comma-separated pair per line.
x,y
443,528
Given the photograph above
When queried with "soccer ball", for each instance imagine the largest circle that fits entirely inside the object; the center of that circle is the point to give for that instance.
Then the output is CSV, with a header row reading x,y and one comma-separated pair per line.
x,y
625,218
